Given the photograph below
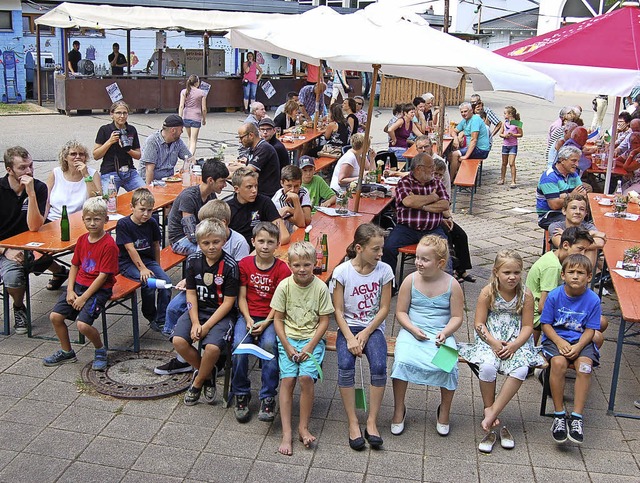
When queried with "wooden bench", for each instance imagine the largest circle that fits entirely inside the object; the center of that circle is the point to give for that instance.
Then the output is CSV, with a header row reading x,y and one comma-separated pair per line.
x,y
5,305
331,336
466,180
323,163
125,295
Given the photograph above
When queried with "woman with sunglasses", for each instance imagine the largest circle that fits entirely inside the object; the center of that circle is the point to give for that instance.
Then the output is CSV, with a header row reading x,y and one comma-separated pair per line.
x,y
117,144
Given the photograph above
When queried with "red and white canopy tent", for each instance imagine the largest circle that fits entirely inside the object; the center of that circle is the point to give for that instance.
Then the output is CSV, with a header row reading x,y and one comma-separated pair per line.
x,y
599,56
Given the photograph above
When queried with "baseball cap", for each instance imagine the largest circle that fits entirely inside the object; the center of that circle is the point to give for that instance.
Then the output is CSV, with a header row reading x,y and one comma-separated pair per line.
x,y
306,161
173,120
266,122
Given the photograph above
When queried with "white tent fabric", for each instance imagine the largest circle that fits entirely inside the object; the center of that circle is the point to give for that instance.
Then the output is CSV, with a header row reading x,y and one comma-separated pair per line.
x,y
355,42
73,15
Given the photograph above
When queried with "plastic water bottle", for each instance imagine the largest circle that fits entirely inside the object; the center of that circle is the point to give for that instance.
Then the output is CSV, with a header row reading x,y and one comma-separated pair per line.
x,y
112,193
157,283
186,172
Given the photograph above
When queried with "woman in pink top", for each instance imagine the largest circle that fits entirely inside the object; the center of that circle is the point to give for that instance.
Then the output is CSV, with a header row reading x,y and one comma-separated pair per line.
x,y
193,110
252,73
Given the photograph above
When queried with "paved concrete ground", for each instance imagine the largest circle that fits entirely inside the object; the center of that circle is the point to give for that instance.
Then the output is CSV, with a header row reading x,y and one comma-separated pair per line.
x,y
55,428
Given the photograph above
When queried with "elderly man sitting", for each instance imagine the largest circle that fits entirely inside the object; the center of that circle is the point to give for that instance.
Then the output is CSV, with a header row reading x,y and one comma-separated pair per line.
x,y
420,201
556,183
476,138
258,112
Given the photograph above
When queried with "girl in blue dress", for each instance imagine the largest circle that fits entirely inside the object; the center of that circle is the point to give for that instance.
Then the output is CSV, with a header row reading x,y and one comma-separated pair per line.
x,y
429,309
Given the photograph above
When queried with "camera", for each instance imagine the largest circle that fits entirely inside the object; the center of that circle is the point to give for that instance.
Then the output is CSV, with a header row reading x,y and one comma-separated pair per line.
x,y
125,140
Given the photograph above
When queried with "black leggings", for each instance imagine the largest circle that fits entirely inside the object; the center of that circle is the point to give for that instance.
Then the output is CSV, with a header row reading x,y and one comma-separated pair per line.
x,y
459,241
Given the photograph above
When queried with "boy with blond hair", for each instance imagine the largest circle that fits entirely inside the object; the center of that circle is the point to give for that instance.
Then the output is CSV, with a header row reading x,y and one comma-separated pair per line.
x,y
138,238
212,281
302,305
91,278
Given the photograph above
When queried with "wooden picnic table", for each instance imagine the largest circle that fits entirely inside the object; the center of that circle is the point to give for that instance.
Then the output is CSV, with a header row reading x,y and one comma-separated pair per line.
x,y
339,232
627,290
615,228
596,169
295,145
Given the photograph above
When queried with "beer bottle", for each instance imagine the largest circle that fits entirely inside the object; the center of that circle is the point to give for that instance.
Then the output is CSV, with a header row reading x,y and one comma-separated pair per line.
x,y
306,236
64,225
325,252
317,269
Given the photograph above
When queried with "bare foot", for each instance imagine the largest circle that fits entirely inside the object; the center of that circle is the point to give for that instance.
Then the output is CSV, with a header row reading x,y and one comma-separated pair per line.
x,y
306,437
285,446
501,181
489,421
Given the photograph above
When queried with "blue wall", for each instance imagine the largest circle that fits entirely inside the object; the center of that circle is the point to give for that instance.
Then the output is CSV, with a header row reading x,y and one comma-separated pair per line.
x,y
14,41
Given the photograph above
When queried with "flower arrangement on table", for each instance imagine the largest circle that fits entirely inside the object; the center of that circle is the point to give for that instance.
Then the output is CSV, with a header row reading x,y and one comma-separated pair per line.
x,y
631,258
342,199
219,153
620,203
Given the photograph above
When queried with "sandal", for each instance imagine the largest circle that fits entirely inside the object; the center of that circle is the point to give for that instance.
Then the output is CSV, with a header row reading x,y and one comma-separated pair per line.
x,y
56,281
466,278
501,182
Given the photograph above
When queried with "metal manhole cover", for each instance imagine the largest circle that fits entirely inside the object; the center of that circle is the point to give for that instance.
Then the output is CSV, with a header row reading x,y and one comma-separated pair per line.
x,y
130,376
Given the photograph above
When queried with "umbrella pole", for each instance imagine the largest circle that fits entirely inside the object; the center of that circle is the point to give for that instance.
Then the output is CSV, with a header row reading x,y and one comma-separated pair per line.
x,y
612,145
367,131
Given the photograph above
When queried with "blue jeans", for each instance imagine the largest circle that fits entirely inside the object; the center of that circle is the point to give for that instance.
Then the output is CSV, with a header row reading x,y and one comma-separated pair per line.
x,y
249,90
402,236
240,383
176,307
376,352
149,310
129,181
184,246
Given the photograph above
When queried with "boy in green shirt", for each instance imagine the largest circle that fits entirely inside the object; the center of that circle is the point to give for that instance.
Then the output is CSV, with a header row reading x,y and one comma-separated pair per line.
x,y
302,306
319,191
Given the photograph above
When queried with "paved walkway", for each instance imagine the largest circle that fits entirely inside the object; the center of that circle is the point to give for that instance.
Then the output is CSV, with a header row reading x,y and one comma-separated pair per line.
x,y
55,428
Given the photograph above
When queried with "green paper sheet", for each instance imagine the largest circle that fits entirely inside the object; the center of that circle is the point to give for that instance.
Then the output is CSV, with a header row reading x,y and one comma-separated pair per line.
x,y
516,123
446,358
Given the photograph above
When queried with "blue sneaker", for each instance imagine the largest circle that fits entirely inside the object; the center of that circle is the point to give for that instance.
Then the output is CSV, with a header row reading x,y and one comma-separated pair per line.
x,y
59,357
100,360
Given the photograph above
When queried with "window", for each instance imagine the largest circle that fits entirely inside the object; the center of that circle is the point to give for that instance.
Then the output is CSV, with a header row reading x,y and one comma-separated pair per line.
x,y
29,25
5,20
86,32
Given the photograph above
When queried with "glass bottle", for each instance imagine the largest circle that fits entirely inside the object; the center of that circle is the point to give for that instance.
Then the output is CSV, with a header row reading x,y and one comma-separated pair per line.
x,y
112,193
317,269
325,252
186,171
64,225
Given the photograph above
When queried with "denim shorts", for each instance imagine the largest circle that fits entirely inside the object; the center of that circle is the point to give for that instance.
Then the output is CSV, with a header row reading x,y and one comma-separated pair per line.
x,y
590,350
12,273
510,149
288,368
216,336
476,154
90,311
191,123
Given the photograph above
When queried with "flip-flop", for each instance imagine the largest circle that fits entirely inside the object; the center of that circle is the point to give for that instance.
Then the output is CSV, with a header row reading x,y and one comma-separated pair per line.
x,y
486,445
56,281
467,278
506,440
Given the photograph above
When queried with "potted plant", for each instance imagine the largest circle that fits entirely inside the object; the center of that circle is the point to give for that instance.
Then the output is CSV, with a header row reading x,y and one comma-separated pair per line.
x,y
631,258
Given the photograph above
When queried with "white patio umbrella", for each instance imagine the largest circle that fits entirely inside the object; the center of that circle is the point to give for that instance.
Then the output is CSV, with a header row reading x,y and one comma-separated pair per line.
x,y
371,40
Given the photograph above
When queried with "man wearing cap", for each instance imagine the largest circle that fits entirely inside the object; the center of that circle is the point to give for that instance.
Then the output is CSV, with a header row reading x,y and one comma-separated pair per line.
x,y
162,150
268,133
262,158
320,192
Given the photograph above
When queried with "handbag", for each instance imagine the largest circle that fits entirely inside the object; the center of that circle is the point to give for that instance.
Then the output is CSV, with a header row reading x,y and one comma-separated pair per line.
x,y
344,85
330,151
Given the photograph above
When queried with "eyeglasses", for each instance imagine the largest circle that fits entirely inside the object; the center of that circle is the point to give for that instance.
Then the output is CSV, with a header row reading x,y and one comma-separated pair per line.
x,y
74,154
121,113
359,103
266,129
242,136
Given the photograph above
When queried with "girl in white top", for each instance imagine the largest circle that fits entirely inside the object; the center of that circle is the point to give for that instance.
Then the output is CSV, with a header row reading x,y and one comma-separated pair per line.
x,y
72,182
348,166
362,296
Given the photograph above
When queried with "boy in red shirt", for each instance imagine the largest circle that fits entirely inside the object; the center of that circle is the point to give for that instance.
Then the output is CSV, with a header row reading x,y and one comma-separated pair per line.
x,y
91,278
259,277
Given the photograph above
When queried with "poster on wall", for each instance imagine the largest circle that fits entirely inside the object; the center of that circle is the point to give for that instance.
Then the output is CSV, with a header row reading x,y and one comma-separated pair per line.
x,y
114,92
268,89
